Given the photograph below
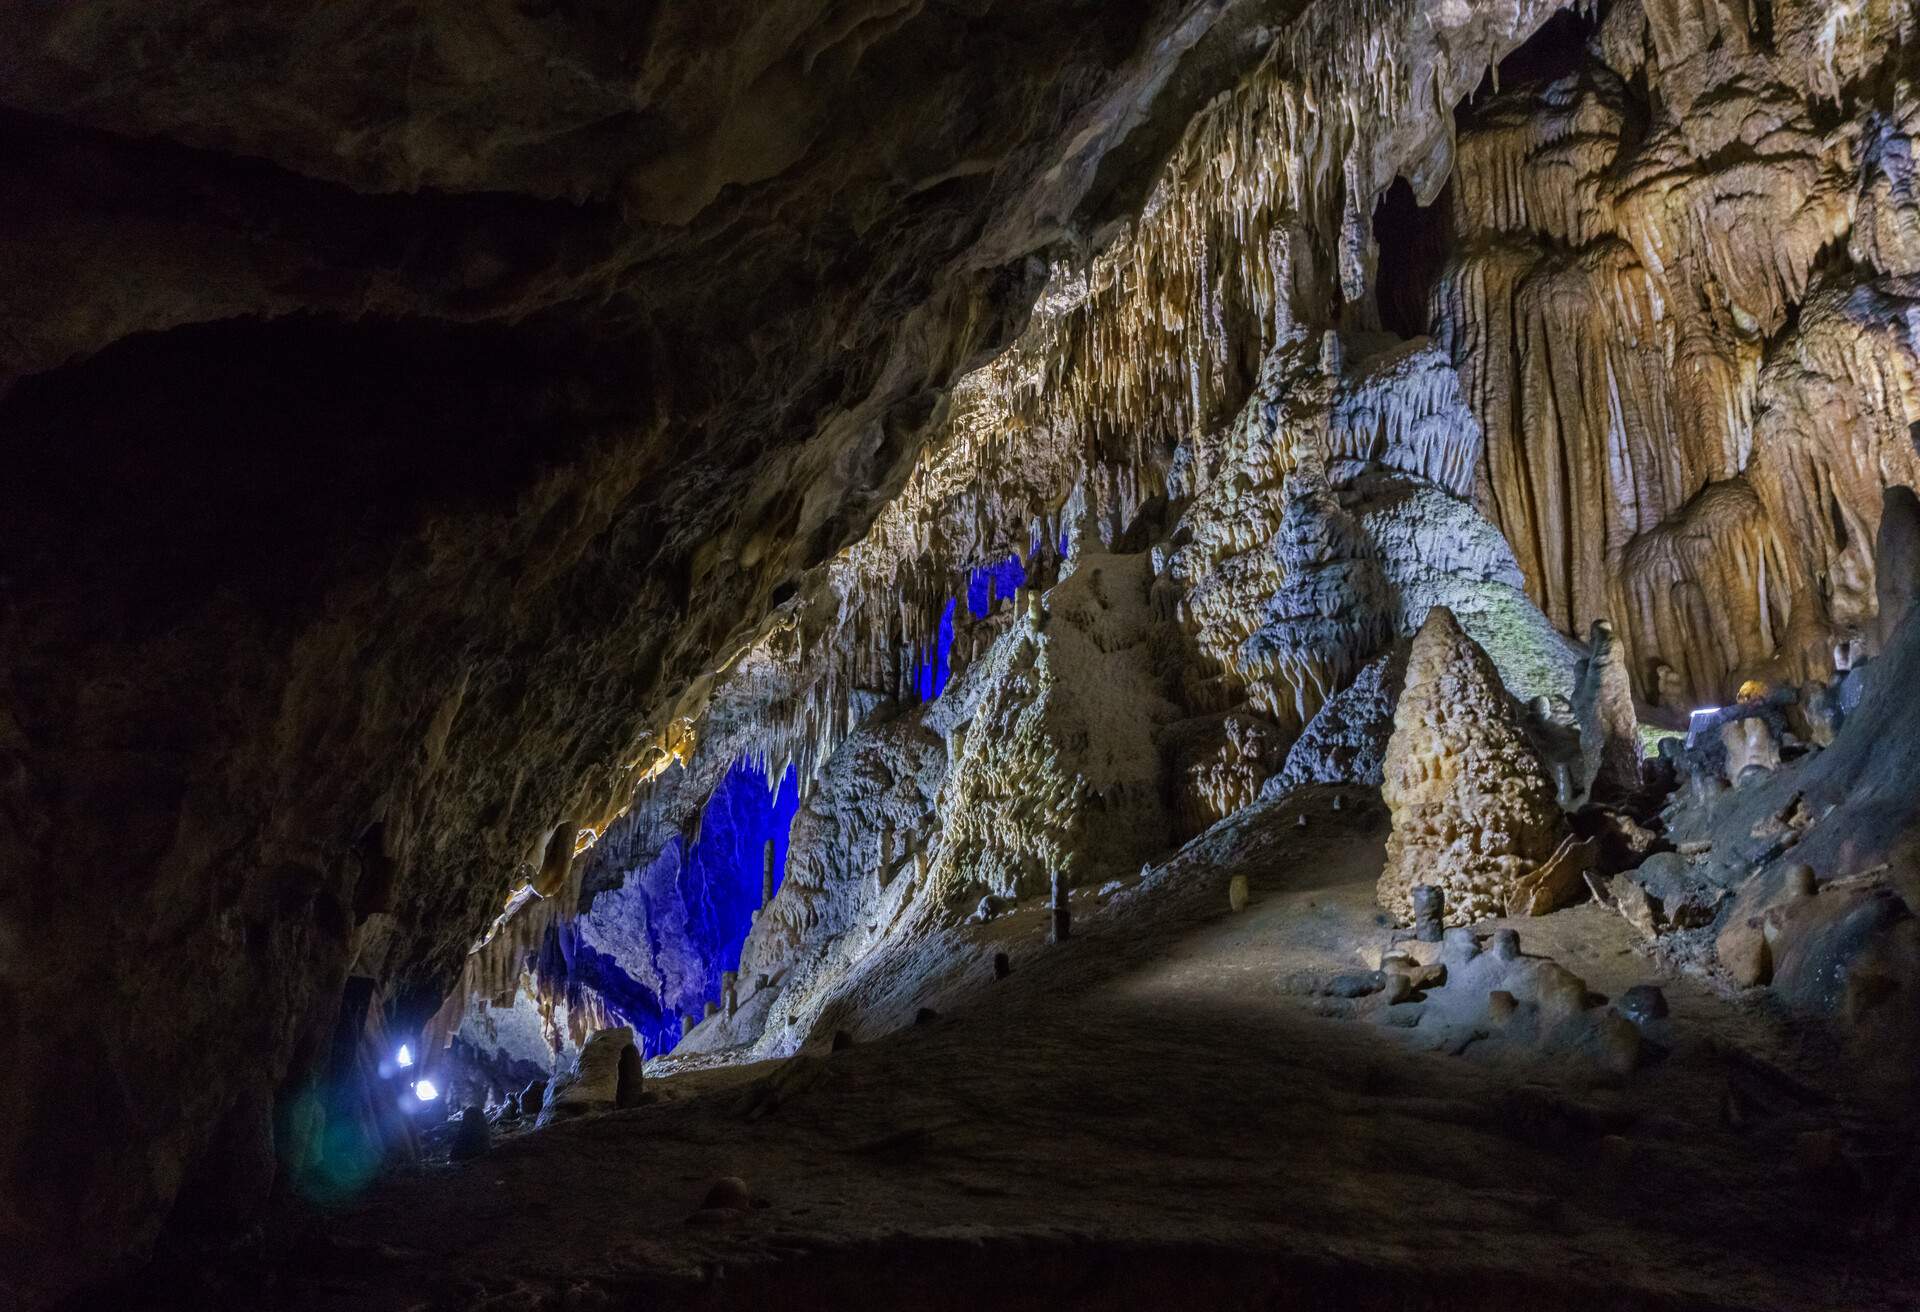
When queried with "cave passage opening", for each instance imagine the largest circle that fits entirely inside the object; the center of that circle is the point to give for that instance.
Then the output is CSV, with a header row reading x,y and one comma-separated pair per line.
x,y
1415,242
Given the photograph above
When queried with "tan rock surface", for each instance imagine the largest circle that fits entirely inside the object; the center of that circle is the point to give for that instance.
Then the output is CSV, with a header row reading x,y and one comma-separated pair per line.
x,y
1473,812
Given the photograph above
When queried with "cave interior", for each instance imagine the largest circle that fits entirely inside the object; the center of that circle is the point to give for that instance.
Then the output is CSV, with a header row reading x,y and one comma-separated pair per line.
x,y
952,653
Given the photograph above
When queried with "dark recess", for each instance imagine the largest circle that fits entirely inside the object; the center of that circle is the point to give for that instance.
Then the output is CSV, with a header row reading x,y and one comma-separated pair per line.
x,y
261,456
1414,242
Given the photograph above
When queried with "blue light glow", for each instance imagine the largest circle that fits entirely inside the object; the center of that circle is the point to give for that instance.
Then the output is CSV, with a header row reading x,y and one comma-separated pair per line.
x,y
991,582
936,666
985,585
700,905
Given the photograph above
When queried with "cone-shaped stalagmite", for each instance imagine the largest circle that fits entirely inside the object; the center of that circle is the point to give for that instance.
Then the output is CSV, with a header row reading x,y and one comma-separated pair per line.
x,y
1473,811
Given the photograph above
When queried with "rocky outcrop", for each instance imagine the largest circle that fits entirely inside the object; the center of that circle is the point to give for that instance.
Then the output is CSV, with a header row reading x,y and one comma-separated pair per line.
x,y
1896,561
1473,812
605,1077
1346,743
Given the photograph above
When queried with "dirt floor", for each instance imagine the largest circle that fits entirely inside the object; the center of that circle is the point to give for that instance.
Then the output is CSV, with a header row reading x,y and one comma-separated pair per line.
x,y
1157,1113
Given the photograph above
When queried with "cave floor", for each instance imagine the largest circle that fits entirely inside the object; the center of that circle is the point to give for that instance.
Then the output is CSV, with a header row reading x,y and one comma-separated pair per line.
x,y
1148,1115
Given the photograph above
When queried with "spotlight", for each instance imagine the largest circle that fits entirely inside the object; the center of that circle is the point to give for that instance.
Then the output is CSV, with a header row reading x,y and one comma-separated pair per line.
x,y
425,1091
1695,721
404,1058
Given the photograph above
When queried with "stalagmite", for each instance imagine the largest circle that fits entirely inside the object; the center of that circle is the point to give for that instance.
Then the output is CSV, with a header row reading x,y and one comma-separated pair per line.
x,y
1473,810
605,1077
1609,729
766,874
1429,907
1060,914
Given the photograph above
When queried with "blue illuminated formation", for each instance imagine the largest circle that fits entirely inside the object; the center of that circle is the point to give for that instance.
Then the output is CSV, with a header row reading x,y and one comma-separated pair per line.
x,y
991,582
701,902
930,679
984,586
720,881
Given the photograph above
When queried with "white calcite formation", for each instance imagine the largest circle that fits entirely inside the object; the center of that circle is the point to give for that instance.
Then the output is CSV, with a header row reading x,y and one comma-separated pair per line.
x,y
1473,811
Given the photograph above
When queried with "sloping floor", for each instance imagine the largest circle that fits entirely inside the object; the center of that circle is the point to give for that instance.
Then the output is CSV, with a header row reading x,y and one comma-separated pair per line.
x,y
1153,1116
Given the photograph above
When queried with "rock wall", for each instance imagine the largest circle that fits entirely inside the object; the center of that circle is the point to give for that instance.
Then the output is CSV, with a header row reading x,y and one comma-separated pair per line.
x,y
1679,291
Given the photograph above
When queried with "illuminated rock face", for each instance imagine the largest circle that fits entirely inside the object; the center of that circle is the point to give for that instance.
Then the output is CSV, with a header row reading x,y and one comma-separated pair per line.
x,y
1680,297
1473,812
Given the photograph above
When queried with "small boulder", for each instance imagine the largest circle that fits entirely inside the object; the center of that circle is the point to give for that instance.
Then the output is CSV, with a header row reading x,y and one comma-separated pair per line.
x,y
472,1136
729,1191
1744,952
1642,911
1617,1042
1642,1003
1357,985
1557,991
1685,900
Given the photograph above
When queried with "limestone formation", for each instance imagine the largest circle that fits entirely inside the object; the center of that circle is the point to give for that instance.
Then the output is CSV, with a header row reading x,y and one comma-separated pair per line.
x,y
1473,812
1896,563
1429,906
533,1097
1609,729
696,358
1750,745
606,1076
471,1136
1346,742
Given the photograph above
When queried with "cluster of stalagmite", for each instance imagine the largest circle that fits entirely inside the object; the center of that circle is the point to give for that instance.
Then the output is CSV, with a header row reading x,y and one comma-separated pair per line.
x,y
1473,811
